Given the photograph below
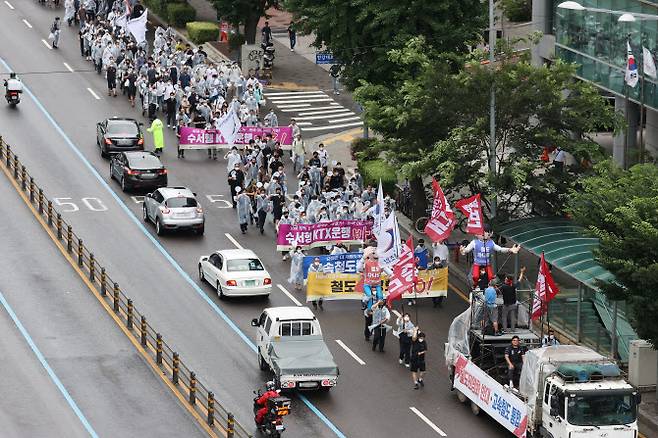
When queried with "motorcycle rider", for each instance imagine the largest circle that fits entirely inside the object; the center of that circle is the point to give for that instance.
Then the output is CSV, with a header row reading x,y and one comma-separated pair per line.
x,y
13,84
262,401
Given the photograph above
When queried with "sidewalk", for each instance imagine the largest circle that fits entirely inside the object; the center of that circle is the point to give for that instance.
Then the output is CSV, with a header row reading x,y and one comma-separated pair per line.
x,y
648,415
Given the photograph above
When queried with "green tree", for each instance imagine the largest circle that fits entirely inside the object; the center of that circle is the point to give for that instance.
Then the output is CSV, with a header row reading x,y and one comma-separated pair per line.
x,y
436,122
244,13
360,32
621,209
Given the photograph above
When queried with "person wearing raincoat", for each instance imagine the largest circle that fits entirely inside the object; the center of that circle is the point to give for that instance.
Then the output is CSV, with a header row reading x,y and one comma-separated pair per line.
x,y
296,268
243,203
158,136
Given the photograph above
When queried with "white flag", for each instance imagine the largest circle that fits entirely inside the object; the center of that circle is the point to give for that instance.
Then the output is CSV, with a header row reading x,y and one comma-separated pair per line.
x,y
378,211
229,126
648,63
631,67
388,242
137,27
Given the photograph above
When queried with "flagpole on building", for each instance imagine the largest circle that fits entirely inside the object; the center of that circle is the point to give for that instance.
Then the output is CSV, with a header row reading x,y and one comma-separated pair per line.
x,y
641,145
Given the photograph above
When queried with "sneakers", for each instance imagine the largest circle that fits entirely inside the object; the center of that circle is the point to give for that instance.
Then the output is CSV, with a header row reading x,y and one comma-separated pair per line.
x,y
511,384
284,258
416,385
422,383
400,361
406,365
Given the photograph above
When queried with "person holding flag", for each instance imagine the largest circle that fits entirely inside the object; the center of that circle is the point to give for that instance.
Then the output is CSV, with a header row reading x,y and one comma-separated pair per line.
x,y
545,290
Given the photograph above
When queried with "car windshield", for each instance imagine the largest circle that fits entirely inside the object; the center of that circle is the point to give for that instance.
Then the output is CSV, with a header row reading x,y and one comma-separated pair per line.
x,y
122,128
601,409
241,265
181,202
144,161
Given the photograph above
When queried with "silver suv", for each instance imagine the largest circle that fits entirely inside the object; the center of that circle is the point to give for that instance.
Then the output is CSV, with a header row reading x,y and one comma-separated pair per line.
x,y
173,208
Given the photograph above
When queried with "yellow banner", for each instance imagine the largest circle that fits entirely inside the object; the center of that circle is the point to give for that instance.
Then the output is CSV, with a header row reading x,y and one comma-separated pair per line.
x,y
338,286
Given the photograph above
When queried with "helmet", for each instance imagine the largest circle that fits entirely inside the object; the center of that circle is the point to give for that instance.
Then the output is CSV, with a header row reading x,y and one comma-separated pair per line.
x,y
271,386
12,75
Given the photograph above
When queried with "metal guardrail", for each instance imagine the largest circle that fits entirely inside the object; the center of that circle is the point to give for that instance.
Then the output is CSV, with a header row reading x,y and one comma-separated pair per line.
x,y
184,380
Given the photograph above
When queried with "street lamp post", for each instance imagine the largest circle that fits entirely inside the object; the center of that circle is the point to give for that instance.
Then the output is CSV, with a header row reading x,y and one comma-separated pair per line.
x,y
492,105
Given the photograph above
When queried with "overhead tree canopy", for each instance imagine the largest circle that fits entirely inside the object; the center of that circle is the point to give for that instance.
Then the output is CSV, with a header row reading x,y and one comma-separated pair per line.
x,y
244,13
360,32
437,123
621,209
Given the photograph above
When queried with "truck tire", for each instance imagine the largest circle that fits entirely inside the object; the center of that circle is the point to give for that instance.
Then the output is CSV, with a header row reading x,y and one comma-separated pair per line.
x,y
475,408
461,397
261,363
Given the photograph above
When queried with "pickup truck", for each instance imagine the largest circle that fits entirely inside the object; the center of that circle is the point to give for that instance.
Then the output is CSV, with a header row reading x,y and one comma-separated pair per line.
x,y
290,345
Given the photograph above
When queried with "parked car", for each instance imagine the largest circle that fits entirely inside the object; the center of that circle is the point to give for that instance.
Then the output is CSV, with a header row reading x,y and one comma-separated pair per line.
x,y
235,272
290,345
138,169
173,208
119,135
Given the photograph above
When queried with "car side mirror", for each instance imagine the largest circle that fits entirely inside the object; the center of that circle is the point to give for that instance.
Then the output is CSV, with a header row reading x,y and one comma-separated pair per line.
x,y
254,322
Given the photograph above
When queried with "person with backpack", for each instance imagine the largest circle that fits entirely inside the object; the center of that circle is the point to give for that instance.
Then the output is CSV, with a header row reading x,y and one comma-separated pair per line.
x,y
54,33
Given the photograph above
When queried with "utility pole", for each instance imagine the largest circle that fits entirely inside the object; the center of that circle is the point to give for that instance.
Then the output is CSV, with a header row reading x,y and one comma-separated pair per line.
x,y
492,104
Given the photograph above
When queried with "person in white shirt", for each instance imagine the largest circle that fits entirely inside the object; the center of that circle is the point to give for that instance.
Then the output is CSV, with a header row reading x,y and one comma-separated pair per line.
x,y
560,158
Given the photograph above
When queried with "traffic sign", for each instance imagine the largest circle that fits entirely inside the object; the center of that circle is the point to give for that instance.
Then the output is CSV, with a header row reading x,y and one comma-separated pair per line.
x,y
324,58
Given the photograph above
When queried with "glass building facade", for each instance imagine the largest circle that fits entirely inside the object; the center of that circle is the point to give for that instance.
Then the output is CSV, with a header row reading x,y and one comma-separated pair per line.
x,y
596,41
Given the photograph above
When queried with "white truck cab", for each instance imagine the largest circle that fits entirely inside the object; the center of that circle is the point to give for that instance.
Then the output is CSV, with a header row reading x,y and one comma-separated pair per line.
x,y
290,344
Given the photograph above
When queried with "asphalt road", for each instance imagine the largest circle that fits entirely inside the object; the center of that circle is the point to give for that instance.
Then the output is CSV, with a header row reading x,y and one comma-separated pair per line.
x,y
213,337
95,369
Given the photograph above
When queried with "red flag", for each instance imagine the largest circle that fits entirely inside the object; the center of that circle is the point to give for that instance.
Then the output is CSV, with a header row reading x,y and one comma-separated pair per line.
x,y
472,208
404,273
440,225
545,289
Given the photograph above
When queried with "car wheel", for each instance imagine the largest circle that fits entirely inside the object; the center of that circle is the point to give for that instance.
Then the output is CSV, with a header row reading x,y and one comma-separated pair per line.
x,y
124,186
111,173
201,277
145,214
104,153
158,228
200,231
220,291
262,364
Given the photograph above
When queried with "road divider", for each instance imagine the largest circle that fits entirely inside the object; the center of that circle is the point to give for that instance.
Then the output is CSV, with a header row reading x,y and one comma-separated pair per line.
x,y
200,401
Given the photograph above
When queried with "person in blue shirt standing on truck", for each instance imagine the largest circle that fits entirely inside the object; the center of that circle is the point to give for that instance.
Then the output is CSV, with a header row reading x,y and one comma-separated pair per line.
x,y
491,308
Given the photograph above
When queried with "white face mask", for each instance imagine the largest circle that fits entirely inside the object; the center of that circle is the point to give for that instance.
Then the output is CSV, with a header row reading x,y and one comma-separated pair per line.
x,y
406,319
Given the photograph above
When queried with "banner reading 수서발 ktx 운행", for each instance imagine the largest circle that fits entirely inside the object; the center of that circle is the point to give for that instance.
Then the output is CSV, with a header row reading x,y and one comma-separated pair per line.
x,y
195,138
346,263
340,286
322,233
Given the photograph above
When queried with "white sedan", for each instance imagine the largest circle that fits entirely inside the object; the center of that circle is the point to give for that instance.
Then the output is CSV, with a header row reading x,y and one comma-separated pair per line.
x,y
235,272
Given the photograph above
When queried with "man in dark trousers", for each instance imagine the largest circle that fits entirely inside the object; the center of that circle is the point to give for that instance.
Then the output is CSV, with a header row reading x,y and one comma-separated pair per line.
x,y
380,316
235,179
514,356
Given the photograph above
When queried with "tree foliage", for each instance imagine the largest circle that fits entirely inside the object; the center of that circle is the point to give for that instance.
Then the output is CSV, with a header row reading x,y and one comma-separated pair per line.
x,y
244,13
621,209
360,32
436,122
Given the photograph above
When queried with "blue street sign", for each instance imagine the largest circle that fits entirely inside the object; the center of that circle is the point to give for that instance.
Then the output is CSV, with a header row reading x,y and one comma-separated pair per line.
x,y
324,58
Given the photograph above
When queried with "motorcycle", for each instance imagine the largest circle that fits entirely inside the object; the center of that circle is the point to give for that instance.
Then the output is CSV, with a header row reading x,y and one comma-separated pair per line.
x,y
13,97
277,408
268,55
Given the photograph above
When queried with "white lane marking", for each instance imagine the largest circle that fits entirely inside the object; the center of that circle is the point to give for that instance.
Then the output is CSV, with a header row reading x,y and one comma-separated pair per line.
x,y
297,96
9,5
346,125
319,99
233,241
344,119
427,420
301,105
333,105
293,93
47,44
314,111
350,352
329,116
304,124
93,94
68,67
27,23
294,300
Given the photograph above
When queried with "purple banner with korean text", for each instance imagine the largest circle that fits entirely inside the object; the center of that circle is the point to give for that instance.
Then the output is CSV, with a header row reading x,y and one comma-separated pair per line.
x,y
195,138
322,233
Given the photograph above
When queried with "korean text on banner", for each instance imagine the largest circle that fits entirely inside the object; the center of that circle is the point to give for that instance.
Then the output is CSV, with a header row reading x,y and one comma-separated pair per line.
x,y
472,208
346,263
491,396
322,233
195,138
440,224
338,286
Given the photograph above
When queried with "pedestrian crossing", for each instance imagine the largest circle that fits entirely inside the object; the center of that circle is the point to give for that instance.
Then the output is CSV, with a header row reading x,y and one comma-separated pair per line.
x,y
313,111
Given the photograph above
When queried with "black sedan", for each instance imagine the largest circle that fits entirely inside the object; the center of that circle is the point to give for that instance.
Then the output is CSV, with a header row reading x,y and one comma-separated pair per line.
x,y
118,135
138,170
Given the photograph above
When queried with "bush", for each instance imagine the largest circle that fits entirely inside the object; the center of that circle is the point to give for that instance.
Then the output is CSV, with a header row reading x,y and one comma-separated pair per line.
x,y
374,170
362,149
202,31
178,14
517,11
235,40
155,5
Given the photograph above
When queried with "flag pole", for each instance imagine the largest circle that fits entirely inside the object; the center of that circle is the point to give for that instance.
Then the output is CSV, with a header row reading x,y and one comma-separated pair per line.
x,y
641,146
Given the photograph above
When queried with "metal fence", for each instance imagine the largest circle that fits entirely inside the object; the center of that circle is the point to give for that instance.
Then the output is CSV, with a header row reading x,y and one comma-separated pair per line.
x,y
184,380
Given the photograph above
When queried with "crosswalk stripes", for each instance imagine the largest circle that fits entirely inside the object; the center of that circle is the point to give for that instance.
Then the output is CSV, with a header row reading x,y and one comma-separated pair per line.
x,y
312,110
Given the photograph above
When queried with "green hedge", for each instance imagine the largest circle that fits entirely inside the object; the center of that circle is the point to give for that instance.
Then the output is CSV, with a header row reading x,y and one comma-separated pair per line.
x,y
235,40
374,170
517,11
155,5
179,14
202,31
